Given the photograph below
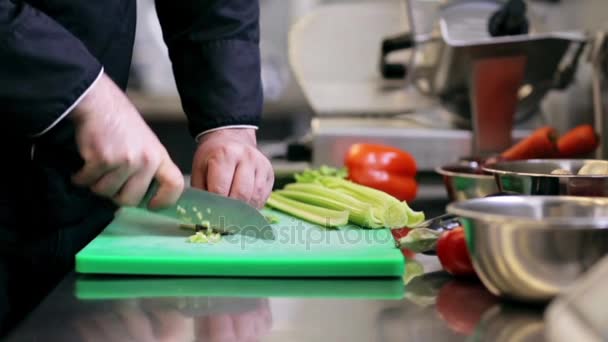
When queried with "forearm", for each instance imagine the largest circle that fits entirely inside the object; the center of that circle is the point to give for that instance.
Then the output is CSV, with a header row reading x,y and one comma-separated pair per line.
x,y
214,49
45,70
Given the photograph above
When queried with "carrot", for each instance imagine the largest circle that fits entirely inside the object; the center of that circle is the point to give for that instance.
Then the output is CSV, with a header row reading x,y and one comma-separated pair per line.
x,y
578,142
540,144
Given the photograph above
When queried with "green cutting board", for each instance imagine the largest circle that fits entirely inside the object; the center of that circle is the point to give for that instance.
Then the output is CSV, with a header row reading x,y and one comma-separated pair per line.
x,y
140,243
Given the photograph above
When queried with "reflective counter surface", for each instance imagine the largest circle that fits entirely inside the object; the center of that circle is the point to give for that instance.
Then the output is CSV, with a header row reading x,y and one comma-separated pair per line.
x,y
432,307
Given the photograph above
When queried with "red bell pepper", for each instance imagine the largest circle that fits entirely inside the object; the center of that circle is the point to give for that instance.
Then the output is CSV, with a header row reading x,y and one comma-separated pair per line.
x,y
384,168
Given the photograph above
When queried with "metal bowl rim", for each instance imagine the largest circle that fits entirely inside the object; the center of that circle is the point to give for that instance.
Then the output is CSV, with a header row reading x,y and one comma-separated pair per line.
x,y
571,223
442,171
488,168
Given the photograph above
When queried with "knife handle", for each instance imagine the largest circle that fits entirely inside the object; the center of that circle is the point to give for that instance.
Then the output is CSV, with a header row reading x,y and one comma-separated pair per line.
x,y
152,190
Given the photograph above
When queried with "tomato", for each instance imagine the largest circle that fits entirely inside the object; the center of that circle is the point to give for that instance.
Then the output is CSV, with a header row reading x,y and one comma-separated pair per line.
x,y
381,157
400,233
453,253
401,187
461,305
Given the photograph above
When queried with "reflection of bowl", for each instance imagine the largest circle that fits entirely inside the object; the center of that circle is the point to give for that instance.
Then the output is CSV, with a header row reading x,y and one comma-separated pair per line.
x,y
466,180
532,247
508,322
533,177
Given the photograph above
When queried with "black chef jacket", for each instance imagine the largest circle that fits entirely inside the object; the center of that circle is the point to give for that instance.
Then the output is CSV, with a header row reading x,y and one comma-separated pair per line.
x,y
51,52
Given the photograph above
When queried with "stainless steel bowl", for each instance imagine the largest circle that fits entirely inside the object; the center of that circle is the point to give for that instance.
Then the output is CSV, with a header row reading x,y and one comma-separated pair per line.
x,y
466,180
533,177
530,248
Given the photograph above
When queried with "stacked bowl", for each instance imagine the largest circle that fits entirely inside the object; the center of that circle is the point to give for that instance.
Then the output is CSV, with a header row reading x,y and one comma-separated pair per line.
x,y
548,226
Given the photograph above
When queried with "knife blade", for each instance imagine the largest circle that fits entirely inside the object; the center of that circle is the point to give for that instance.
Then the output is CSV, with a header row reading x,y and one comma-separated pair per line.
x,y
222,214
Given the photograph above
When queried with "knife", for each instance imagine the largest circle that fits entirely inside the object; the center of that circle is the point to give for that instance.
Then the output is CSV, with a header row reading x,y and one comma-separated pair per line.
x,y
198,208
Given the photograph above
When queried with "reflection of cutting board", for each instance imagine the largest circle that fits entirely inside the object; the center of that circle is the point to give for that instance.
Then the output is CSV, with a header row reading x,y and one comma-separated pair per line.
x,y
300,250
131,287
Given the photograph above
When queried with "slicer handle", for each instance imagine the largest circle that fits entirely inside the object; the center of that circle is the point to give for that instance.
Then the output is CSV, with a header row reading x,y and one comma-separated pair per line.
x,y
391,44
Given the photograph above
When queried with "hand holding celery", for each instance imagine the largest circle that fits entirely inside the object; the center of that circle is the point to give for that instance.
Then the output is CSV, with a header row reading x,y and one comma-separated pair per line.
x,y
325,198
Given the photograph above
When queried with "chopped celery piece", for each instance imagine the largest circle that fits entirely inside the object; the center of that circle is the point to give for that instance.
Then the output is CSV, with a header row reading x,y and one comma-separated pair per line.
x,y
271,218
311,175
318,215
202,237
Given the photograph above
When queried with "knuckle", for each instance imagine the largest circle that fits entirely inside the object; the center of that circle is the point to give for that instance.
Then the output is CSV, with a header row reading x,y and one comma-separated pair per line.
x,y
148,159
128,160
214,163
218,188
240,194
124,199
176,183
105,158
100,189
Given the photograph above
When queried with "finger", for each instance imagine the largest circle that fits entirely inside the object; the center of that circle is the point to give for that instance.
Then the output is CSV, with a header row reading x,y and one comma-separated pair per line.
x,y
110,183
135,188
221,328
266,315
199,175
201,328
170,184
219,175
263,186
245,326
90,173
243,181
88,330
136,324
172,326
110,327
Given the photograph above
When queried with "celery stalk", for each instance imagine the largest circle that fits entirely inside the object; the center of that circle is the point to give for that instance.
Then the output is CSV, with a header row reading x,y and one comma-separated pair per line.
x,y
363,215
315,214
413,217
386,208
320,190
359,213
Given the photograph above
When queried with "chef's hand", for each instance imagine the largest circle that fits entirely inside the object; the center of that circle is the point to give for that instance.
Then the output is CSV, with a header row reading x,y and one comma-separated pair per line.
x,y
125,322
227,162
247,326
121,153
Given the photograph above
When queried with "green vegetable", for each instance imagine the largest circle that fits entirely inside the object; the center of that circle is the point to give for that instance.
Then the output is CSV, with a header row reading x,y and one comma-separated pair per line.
x,y
360,213
324,194
312,174
386,210
202,237
413,269
419,240
315,214
271,218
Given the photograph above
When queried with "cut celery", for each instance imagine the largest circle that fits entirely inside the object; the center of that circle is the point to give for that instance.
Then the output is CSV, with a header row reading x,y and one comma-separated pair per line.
x,y
386,210
359,213
317,215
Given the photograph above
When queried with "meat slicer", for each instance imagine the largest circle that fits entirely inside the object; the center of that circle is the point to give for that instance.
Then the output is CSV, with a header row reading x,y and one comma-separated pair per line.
x,y
474,74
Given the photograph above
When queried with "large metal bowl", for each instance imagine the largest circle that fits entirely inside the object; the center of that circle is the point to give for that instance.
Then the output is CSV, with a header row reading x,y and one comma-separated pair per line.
x,y
466,180
533,177
530,248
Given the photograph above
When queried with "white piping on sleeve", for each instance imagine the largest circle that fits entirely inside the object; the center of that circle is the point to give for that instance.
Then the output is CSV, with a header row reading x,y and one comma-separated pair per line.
x,y
67,111
200,135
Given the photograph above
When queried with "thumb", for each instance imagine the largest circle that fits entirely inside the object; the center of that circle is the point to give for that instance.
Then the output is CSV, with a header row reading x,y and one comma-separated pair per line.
x,y
170,184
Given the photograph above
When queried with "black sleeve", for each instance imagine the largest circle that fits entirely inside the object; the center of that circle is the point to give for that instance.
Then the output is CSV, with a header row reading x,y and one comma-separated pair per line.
x,y
44,69
214,49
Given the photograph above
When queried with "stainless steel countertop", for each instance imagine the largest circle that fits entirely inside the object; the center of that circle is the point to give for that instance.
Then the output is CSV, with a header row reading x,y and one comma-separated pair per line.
x,y
433,307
